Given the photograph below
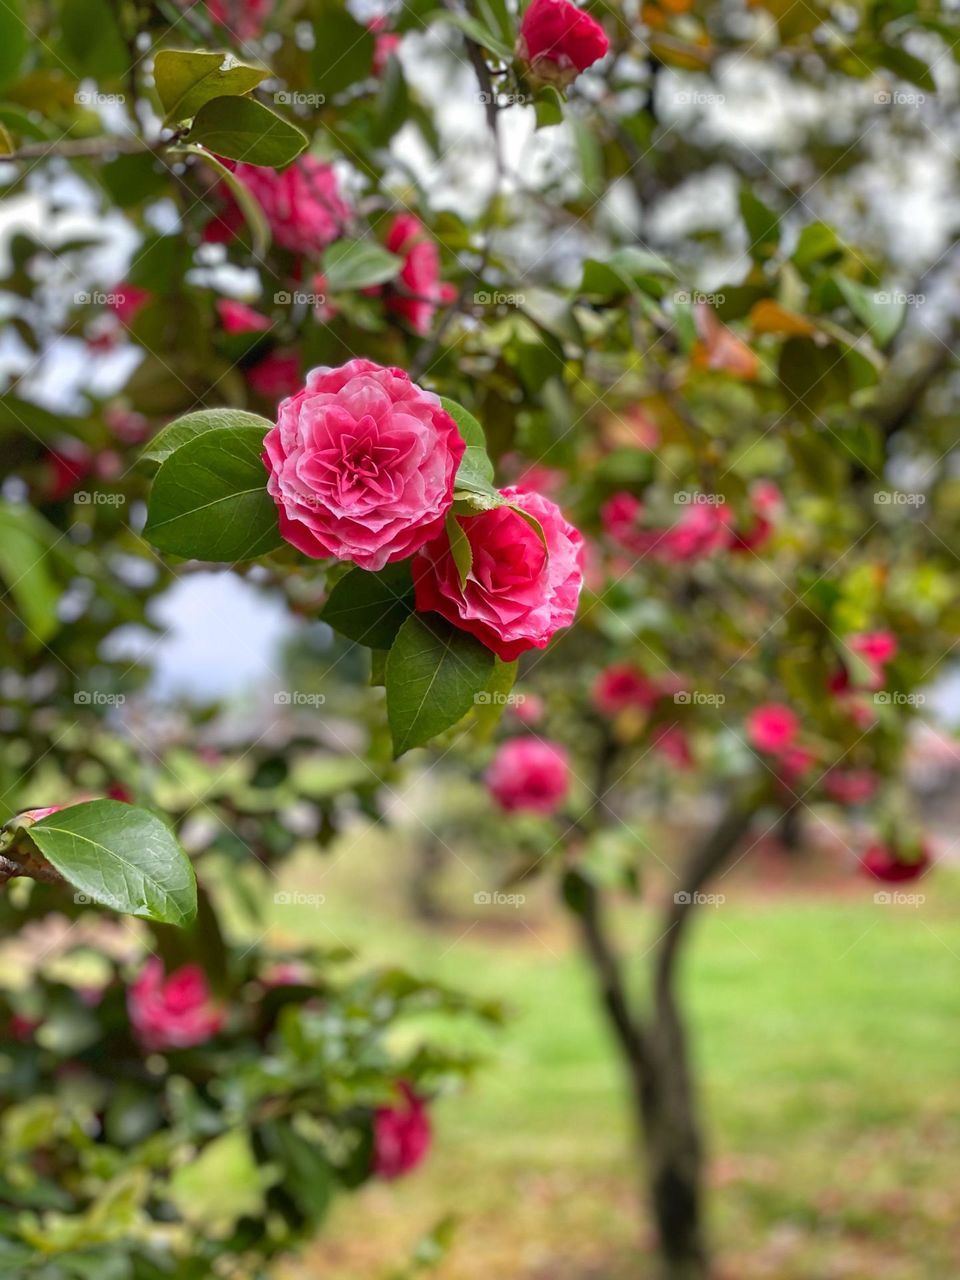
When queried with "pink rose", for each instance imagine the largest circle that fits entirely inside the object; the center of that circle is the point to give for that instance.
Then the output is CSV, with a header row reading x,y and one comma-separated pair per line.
x,y
275,376
302,204
558,40
885,863
528,773
772,727
850,786
420,274
621,686
362,464
878,647
174,1012
243,18
401,1135
516,595
237,317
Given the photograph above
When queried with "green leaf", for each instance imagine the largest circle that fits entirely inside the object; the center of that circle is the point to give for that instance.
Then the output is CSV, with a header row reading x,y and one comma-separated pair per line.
x,y
762,224
91,40
816,241
475,472
906,66
880,311
370,608
628,270
434,673
242,129
357,264
25,542
122,857
185,80
548,106
475,31
493,700
13,39
343,50
460,547
209,499
169,438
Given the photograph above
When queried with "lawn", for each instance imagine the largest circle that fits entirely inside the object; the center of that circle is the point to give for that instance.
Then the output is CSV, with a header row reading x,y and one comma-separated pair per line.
x,y
827,1035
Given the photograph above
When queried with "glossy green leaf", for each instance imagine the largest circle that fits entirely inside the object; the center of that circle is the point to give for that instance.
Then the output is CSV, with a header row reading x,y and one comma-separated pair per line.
x,y
242,129
186,80
357,264
475,472
880,311
169,438
122,857
434,673
370,608
343,51
209,499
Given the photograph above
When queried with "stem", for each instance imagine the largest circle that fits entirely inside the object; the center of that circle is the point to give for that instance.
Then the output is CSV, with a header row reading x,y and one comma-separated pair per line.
x,y
90,148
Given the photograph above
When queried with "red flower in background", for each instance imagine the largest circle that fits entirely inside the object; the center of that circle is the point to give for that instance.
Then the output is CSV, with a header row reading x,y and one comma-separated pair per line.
x,y
878,647
530,774
276,376
622,686
401,1135
174,1012
244,18
772,727
237,317
883,863
386,44
558,41
302,204
420,274
126,300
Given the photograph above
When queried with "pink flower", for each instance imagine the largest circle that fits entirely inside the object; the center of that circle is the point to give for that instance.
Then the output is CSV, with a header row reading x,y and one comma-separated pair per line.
x,y
620,516
795,763
528,773
878,647
126,301
767,503
243,18
621,686
302,204
850,786
529,709
558,40
420,274
276,375
387,43
517,594
672,742
884,863
362,464
401,1135
703,529
35,815
237,317
772,727
174,1012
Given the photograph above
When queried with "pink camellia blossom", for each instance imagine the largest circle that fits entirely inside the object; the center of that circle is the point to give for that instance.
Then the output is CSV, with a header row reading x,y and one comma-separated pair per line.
x,y
401,1135
529,709
420,275
850,786
518,593
35,815
622,686
302,204
174,1012
243,18
276,376
795,763
558,41
883,862
703,529
672,742
237,317
620,516
772,727
878,647
385,45
529,774
362,464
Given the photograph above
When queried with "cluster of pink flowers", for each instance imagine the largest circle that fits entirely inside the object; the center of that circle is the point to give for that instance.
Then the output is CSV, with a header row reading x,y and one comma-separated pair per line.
x,y
302,204
703,529
362,464
529,774
420,288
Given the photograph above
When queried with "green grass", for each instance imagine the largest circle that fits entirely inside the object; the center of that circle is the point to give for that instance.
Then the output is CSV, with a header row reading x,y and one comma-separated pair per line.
x,y
827,1039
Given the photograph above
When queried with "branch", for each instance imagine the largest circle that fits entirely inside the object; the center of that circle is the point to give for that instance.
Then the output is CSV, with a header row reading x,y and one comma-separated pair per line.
x,y
90,148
